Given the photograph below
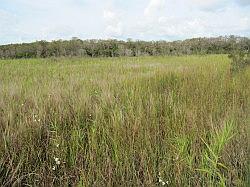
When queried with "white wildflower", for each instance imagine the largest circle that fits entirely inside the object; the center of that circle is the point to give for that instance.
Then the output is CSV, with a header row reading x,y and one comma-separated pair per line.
x,y
57,145
160,180
36,119
54,168
57,160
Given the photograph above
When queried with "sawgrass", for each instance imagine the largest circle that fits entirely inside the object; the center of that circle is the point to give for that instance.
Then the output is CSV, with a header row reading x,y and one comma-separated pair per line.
x,y
146,121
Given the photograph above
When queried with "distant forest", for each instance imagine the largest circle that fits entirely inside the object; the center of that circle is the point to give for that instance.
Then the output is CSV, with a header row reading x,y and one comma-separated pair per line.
x,y
115,48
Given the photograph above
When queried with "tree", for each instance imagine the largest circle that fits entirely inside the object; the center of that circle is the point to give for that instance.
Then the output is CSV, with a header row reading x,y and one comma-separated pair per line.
x,y
114,48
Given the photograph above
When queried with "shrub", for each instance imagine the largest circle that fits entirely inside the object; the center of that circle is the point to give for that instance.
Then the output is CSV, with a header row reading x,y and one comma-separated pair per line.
x,y
240,61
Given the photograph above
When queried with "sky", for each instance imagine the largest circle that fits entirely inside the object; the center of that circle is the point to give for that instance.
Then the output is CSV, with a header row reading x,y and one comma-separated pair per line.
x,y
31,20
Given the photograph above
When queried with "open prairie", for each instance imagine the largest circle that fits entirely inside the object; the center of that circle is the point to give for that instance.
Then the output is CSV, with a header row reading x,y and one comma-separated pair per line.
x,y
126,121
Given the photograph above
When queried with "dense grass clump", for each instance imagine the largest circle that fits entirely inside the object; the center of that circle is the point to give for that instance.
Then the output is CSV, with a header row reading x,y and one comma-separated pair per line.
x,y
148,121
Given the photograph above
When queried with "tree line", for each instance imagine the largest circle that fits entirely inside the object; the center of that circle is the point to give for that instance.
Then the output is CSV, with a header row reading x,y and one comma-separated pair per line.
x,y
115,48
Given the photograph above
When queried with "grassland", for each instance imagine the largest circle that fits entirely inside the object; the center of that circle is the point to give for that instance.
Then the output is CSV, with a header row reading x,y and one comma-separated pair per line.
x,y
147,121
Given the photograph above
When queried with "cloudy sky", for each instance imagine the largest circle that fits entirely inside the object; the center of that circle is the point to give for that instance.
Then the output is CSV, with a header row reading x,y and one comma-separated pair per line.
x,y
31,20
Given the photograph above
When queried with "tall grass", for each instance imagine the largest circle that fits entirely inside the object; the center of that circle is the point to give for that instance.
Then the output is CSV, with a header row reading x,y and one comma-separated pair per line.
x,y
148,121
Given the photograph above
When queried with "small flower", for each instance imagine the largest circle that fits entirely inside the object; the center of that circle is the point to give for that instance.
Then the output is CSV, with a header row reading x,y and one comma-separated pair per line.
x,y
36,119
57,160
160,180
57,145
54,168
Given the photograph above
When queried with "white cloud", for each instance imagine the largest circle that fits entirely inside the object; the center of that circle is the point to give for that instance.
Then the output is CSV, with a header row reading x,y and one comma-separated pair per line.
x,y
195,23
9,28
48,20
109,15
114,30
165,27
208,5
195,27
243,2
154,6
28,20
114,25
244,23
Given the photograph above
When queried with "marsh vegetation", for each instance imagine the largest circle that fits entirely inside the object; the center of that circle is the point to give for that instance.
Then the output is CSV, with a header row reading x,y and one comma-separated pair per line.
x,y
126,121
